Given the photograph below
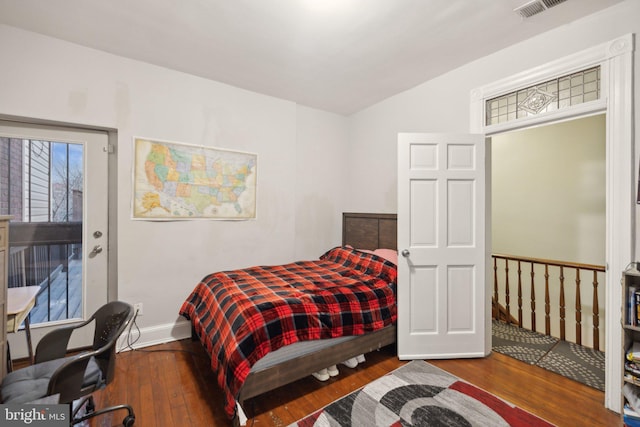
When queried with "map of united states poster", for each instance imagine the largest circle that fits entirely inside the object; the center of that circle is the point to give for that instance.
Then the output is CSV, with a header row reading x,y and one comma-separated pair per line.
x,y
180,181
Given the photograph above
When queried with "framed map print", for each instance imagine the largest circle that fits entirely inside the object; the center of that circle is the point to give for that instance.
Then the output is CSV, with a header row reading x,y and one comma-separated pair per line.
x,y
173,181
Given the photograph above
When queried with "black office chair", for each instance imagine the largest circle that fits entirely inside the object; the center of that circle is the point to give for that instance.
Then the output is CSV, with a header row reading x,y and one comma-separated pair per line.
x,y
76,376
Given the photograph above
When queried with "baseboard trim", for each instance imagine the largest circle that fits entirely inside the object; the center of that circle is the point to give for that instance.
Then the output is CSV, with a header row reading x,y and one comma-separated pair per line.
x,y
134,337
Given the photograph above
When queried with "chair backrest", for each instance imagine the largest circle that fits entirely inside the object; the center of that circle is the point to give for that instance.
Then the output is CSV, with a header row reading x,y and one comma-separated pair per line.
x,y
111,321
74,379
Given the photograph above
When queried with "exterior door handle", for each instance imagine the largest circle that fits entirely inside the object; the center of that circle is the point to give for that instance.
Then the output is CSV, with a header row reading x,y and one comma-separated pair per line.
x,y
95,251
405,253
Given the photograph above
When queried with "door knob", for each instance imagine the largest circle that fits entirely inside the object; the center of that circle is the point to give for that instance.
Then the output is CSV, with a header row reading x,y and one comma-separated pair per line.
x,y
405,253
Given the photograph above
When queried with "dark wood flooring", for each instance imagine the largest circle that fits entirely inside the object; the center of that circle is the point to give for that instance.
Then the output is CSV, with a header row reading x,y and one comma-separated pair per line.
x,y
172,385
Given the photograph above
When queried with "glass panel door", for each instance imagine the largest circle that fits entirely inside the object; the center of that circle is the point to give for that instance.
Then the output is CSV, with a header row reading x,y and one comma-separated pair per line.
x,y
53,183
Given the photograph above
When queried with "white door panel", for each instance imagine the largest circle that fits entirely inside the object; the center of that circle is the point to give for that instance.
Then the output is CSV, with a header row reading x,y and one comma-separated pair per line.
x,y
442,294
94,201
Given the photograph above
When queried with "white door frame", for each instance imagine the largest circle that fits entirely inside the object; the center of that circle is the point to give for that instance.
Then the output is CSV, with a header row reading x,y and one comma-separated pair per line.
x,y
616,61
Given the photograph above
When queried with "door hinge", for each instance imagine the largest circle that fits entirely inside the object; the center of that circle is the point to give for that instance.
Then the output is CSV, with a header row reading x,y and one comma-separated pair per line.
x,y
108,149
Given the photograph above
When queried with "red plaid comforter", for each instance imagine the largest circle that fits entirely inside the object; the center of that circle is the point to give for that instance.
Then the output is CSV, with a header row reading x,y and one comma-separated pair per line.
x,y
242,315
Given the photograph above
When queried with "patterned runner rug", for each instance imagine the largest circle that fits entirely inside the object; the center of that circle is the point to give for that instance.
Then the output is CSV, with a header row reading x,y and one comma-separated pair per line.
x,y
581,364
420,394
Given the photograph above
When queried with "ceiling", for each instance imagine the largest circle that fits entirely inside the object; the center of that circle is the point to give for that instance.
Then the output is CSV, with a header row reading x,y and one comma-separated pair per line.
x,y
334,55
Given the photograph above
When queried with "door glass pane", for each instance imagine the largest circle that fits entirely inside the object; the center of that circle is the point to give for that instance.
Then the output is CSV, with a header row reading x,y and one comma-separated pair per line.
x,y
41,187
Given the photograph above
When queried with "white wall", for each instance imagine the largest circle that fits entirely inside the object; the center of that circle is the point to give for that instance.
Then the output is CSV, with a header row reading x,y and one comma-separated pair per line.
x,y
320,181
442,104
160,263
548,191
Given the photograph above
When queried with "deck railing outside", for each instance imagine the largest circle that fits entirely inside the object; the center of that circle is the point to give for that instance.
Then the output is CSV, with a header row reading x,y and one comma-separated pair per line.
x,y
558,282
47,255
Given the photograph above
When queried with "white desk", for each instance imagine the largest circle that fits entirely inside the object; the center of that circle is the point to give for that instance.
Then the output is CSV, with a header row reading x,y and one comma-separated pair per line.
x,y
20,301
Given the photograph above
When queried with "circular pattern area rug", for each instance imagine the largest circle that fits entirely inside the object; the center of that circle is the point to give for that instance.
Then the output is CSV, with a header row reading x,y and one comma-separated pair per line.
x,y
420,394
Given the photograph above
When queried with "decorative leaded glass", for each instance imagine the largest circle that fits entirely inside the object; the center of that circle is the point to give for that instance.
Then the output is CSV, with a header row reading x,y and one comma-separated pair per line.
x,y
562,92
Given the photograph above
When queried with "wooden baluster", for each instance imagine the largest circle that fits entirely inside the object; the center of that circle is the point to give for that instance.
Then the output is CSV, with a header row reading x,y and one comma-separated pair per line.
x,y
496,300
578,309
519,296
533,300
547,304
506,291
505,312
563,334
596,313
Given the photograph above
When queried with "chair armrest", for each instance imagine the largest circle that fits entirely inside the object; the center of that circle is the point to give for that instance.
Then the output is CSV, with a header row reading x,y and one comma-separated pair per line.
x,y
54,344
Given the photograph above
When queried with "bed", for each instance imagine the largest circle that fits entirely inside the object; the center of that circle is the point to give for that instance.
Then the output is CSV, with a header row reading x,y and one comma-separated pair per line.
x,y
358,280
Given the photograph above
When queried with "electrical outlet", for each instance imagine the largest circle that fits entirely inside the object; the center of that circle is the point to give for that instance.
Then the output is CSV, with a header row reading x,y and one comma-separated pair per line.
x,y
138,308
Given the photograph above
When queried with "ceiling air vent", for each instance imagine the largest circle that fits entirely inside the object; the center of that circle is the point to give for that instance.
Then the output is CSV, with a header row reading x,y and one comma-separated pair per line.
x,y
536,6
551,3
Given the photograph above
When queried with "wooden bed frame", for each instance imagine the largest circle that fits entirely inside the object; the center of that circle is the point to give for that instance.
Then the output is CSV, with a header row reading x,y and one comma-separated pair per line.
x,y
362,231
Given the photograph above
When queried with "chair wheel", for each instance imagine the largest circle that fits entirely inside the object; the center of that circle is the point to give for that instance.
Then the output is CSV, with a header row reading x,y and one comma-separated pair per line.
x,y
128,420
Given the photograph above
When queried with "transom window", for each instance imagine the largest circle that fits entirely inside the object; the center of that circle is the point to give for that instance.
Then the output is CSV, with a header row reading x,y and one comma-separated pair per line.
x,y
562,92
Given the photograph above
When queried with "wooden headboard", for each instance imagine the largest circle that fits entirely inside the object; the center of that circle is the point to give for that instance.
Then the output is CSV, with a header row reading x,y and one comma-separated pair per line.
x,y
369,230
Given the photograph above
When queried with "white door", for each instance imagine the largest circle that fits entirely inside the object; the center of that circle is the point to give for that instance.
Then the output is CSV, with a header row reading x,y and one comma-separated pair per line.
x,y
443,240
55,161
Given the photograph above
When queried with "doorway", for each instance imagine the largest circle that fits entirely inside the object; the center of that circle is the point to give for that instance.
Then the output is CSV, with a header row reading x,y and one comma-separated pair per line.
x,y
616,59
549,202
54,186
